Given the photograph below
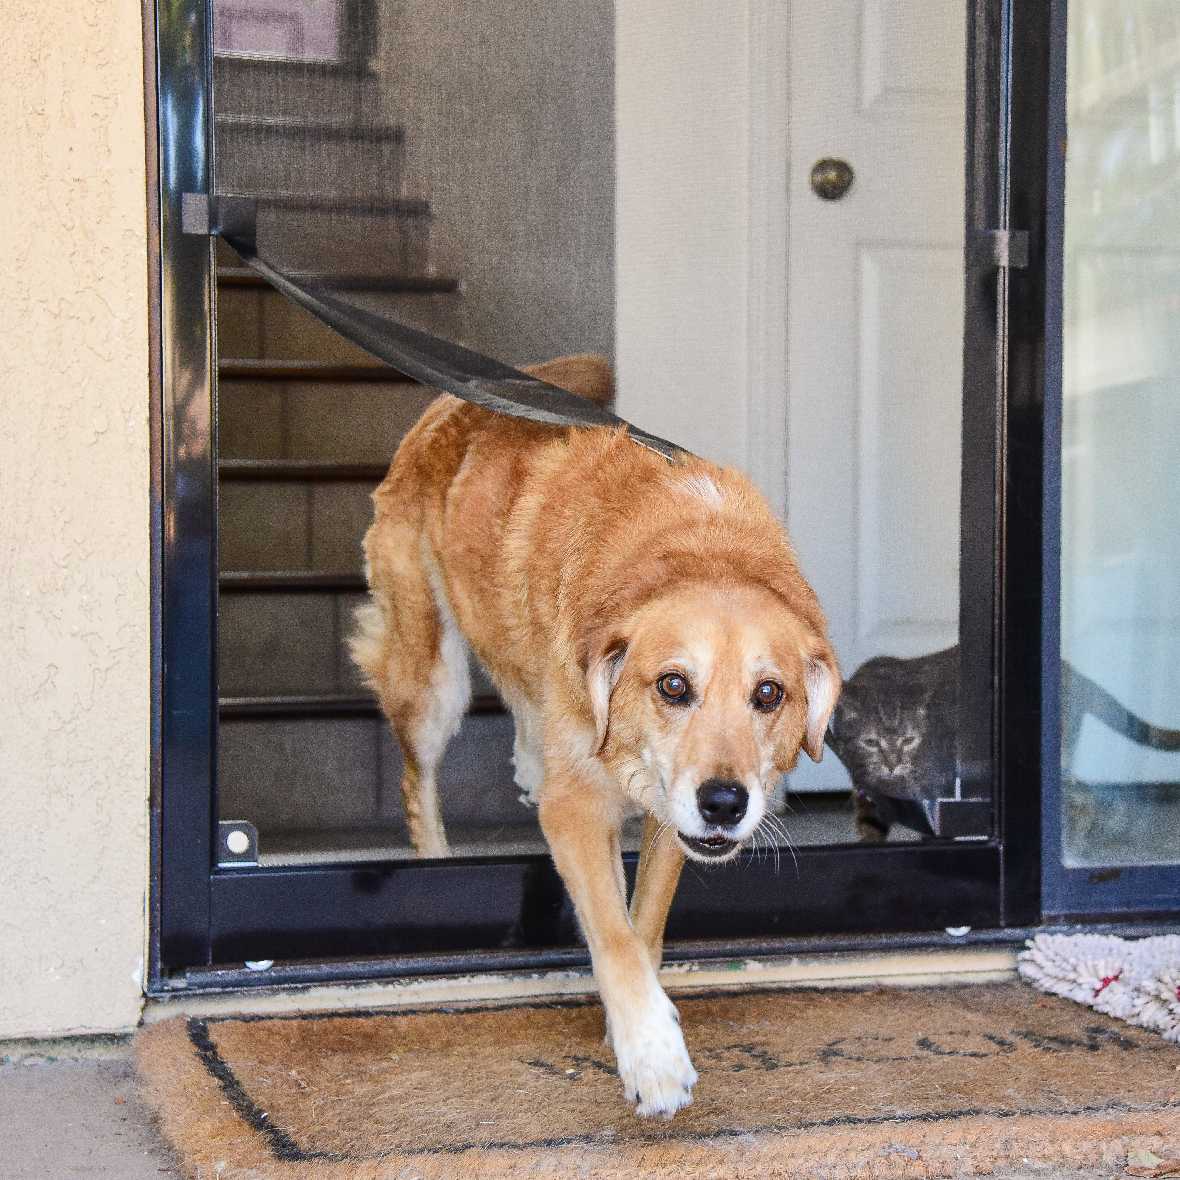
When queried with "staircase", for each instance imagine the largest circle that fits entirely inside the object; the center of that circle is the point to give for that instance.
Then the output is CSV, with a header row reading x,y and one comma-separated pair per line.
x,y
307,424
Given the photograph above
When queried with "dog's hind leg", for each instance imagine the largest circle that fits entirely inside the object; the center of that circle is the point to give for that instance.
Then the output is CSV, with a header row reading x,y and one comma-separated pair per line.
x,y
660,862
414,657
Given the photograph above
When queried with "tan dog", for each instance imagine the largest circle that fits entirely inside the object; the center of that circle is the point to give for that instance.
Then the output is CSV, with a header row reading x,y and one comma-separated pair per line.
x,y
649,629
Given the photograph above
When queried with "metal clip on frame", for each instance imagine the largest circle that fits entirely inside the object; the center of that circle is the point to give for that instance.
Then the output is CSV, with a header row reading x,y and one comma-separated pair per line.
x,y
1000,248
232,218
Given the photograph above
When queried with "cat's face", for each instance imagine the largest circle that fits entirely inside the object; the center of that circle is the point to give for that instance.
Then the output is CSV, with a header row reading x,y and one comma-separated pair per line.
x,y
881,742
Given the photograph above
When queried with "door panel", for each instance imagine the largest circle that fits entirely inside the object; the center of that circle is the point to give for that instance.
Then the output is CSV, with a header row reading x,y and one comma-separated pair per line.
x,y
907,463
875,341
875,325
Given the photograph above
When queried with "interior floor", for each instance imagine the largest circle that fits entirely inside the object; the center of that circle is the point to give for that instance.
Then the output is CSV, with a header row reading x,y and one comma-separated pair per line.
x,y
810,820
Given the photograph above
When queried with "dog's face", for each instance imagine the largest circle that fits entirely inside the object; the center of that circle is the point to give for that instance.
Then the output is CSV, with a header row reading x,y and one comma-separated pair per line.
x,y
702,700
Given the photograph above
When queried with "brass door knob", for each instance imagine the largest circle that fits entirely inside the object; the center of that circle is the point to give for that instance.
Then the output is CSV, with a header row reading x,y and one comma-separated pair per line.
x,y
831,178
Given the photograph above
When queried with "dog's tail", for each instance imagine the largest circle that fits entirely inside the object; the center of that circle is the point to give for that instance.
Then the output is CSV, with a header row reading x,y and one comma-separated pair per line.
x,y
587,374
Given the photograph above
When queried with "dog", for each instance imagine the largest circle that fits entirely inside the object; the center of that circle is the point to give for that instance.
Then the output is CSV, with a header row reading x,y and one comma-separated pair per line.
x,y
648,627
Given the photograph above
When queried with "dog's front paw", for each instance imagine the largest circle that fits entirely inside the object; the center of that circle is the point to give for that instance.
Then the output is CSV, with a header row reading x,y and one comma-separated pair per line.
x,y
653,1062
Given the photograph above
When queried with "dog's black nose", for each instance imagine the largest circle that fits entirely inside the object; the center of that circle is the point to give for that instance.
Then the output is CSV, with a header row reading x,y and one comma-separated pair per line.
x,y
722,802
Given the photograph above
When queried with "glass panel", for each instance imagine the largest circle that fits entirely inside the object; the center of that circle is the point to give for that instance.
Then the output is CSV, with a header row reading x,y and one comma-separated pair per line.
x,y
1121,436
875,354
534,180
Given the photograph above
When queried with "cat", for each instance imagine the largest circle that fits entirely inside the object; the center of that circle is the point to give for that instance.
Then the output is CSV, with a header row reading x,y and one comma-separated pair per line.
x,y
895,728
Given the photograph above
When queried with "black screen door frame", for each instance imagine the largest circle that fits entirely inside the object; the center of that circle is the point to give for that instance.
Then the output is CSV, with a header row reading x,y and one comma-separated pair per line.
x,y
393,918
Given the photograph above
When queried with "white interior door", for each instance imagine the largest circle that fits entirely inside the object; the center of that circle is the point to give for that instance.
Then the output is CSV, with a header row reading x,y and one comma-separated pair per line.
x,y
875,324
817,344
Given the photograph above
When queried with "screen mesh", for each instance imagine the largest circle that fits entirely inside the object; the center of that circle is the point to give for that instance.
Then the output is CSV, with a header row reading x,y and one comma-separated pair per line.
x,y
452,164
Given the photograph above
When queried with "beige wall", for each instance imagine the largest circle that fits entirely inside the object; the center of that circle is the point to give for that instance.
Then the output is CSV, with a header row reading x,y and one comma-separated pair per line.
x,y
74,521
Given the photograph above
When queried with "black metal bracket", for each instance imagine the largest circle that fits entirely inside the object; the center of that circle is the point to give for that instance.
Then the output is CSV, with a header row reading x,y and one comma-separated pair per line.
x,y
961,819
1001,248
233,218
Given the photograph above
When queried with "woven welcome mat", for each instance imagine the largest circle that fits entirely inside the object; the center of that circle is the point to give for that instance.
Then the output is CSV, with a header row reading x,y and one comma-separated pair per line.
x,y
840,1084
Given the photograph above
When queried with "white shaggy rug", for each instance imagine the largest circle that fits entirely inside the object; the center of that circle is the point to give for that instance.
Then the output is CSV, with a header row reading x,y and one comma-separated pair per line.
x,y
1137,980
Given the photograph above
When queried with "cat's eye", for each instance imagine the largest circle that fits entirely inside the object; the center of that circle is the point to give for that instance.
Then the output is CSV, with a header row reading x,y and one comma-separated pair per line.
x,y
909,742
674,688
870,743
768,695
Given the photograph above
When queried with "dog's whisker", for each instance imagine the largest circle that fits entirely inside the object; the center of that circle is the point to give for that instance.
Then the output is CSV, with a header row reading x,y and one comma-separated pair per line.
x,y
789,842
752,851
776,825
773,844
658,834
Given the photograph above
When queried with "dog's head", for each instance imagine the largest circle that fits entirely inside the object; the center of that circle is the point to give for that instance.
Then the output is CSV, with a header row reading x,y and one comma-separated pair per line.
x,y
701,699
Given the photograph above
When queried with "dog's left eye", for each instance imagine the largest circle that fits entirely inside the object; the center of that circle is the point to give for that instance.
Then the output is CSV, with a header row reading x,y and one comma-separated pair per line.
x,y
673,687
768,695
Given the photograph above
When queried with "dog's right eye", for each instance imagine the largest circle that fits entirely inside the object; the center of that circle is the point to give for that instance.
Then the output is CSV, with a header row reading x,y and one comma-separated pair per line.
x,y
673,687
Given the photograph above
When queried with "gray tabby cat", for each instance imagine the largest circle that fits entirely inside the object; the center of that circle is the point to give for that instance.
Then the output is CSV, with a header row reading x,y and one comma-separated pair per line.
x,y
895,727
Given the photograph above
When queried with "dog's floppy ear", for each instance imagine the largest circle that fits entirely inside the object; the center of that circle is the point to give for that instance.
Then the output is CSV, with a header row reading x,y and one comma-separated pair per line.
x,y
602,674
821,681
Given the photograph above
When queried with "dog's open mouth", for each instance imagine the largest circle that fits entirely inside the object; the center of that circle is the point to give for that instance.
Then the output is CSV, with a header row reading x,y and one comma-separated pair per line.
x,y
709,845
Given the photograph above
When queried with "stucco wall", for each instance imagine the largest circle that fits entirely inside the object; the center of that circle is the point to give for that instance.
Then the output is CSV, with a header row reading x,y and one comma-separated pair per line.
x,y
73,517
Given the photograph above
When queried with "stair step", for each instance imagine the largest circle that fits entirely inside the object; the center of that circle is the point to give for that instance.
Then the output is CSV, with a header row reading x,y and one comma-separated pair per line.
x,y
257,322
299,125
335,160
293,643
294,526
286,644
329,202
310,225
320,775
256,369
288,581
333,420
293,707
326,705
253,325
243,276
325,240
302,470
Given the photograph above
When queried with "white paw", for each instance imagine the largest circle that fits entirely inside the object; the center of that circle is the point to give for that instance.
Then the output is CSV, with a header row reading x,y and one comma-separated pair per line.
x,y
653,1063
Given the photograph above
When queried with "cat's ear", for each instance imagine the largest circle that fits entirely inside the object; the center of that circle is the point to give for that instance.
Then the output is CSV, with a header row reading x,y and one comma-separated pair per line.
x,y
845,714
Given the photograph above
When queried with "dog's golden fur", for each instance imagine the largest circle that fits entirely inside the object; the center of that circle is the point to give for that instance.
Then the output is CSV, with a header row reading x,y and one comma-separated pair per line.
x,y
582,568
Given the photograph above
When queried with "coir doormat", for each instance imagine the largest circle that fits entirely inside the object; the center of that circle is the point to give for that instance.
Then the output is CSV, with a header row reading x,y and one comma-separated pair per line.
x,y
880,1083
